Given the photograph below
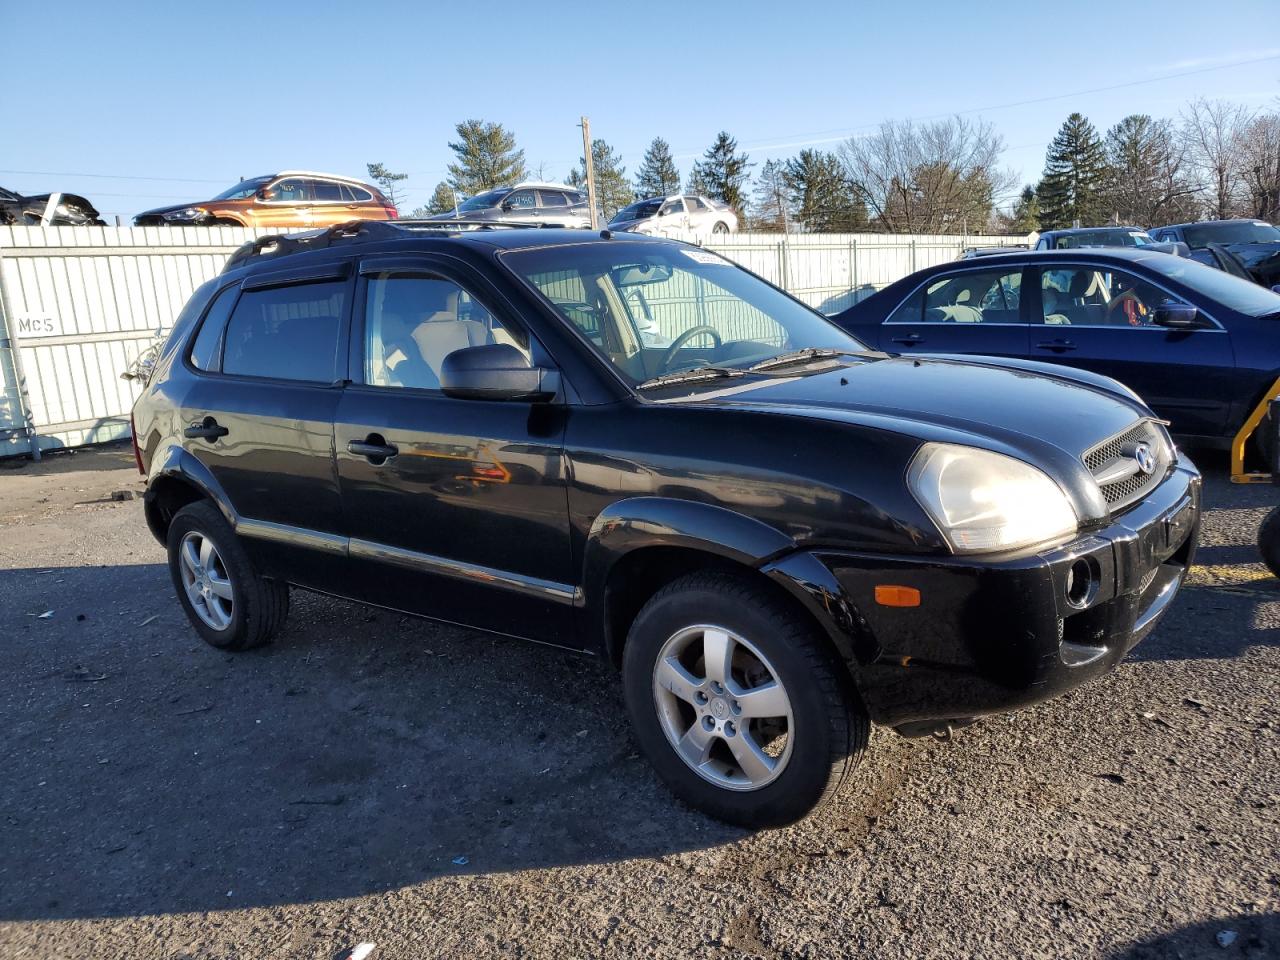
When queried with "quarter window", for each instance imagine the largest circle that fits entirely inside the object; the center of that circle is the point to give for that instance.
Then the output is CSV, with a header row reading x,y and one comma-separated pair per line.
x,y
412,321
975,296
206,351
288,333
359,194
1097,297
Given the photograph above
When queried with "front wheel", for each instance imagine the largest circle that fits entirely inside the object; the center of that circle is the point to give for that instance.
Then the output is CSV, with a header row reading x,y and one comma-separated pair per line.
x,y
720,228
229,604
738,703
1269,540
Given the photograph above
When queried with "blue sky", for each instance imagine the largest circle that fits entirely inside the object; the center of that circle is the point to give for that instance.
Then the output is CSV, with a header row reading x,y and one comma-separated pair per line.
x,y
164,102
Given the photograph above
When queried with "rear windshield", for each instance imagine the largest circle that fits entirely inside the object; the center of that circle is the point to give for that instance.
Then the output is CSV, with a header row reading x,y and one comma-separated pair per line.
x,y
1245,231
1233,292
1102,238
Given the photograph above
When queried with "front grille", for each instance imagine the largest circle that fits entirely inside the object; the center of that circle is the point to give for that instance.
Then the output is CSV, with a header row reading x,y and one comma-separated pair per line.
x,y
1109,454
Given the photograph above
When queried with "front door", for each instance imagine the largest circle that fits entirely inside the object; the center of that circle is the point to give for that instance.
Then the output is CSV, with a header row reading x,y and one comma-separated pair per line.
x,y
259,415
1101,319
457,508
972,310
285,203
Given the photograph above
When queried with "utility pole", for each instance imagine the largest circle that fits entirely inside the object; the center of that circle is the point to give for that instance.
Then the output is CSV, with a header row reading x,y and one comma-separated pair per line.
x,y
591,172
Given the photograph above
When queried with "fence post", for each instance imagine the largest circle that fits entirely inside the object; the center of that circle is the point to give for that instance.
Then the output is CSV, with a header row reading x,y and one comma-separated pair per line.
x,y
9,341
913,254
853,268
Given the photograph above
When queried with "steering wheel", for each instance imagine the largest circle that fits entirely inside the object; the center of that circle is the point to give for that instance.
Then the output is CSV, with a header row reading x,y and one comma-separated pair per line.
x,y
685,337
1126,297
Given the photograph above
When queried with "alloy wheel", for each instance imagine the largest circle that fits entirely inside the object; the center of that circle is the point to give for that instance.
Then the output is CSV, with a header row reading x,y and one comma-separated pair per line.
x,y
723,707
206,580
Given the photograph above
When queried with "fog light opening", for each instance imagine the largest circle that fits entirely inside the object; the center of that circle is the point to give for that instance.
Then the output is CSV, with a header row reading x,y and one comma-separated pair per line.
x,y
1082,583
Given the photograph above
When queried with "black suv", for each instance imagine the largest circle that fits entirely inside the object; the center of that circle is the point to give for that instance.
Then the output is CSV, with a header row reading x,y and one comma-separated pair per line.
x,y
634,448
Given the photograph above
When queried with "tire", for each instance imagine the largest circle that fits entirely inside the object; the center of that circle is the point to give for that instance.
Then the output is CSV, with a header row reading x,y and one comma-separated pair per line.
x,y
257,607
721,228
826,729
1269,540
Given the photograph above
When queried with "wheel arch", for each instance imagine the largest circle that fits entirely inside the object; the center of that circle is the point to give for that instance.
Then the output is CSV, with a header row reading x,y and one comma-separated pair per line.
x,y
178,479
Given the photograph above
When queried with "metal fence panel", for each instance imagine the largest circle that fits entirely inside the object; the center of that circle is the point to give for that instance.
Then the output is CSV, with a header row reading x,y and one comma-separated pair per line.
x,y
78,304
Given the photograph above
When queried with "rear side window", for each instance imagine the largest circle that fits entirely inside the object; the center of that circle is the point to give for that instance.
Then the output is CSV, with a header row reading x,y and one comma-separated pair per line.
x,y
325,190
695,204
288,333
553,198
360,195
207,349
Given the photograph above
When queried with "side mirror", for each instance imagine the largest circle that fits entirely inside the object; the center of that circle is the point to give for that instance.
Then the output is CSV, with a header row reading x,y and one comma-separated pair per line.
x,y
267,194
507,206
1178,316
496,371
1276,288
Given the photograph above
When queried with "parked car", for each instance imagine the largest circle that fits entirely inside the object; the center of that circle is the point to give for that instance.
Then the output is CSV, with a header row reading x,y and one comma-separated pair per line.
x,y
676,216
973,253
69,210
778,536
1198,345
1084,237
549,203
1246,248
293,198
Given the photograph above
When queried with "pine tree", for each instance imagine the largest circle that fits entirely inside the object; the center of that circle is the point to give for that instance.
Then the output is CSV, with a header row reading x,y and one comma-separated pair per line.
x,y
386,180
442,200
1146,181
697,183
824,199
1075,177
724,172
771,211
613,191
1026,212
657,176
487,158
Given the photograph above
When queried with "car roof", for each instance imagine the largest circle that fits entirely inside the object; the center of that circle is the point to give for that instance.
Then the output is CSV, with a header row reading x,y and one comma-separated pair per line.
x,y
1110,226
1210,223
313,173
1090,254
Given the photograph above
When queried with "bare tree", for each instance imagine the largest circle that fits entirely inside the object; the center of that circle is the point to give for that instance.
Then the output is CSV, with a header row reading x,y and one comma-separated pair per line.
x,y
1147,183
1211,133
1260,167
939,177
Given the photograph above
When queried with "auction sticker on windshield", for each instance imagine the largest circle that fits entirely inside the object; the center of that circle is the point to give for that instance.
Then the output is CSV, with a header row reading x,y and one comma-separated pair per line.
x,y
701,256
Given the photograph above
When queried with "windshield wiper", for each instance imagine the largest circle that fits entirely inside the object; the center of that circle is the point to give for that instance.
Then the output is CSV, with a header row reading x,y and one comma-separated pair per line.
x,y
807,355
689,376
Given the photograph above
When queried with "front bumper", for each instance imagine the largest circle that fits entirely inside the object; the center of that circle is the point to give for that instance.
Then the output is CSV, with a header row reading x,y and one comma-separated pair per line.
x,y
993,635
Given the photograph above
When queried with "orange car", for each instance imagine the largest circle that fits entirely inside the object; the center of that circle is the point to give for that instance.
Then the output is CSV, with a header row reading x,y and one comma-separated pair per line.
x,y
294,198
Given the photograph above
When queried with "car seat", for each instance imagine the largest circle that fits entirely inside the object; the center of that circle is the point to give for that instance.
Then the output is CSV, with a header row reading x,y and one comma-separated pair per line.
x,y
441,333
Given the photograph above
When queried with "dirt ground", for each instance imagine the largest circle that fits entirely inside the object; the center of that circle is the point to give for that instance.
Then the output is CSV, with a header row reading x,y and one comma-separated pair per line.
x,y
441,793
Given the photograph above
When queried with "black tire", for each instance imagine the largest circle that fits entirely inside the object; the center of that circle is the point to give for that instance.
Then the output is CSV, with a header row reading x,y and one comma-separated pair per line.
x,y
1269,540
259,606
830,729
721,228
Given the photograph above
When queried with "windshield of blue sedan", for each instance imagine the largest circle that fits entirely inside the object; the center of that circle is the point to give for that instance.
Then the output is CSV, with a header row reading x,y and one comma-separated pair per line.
x,y
484,201
1243,231
1102,238
244,189
652,309
638,211
1233,292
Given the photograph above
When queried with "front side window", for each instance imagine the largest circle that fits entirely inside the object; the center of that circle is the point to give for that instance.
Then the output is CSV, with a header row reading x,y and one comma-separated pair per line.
x,y
653,308
483,201
1099,297
244,189
974,296
289,191
672,207
637,211
206,351
287,333
412,321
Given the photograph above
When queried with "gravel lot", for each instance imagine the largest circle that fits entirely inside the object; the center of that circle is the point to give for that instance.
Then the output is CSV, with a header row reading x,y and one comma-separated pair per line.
x,y
440,793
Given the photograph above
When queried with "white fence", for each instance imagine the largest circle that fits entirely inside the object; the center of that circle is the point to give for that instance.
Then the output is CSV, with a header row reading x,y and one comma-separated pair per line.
x,y
77,305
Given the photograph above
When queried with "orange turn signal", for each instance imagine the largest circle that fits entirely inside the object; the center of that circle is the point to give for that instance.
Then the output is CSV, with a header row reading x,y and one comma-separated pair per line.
x,y
888,595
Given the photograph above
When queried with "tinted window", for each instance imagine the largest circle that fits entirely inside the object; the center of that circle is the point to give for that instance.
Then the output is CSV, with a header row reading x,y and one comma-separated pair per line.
x,y
1236,231
974,296
1099,296
326,190
286,332
413,321
290,191
553,198
359,194
576,198
523,200
1102,238
207,349
1237,294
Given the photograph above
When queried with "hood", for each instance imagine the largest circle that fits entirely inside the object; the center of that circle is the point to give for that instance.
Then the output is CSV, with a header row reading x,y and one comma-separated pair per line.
x,y
1260,260
157,211
79,210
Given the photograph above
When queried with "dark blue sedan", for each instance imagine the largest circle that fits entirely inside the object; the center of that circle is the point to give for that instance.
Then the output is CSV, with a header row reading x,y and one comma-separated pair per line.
x,y
1200,346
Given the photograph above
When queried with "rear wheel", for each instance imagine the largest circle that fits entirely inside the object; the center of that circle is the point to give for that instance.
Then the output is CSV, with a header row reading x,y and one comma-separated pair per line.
x,y
229,604
720,228
738,703
1269,540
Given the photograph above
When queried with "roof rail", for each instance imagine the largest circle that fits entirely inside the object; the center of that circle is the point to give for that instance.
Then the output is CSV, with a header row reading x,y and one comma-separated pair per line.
x,y
368,231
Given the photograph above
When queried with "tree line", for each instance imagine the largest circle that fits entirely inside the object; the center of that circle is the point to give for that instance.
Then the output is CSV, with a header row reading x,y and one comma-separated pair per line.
x,y
1215,160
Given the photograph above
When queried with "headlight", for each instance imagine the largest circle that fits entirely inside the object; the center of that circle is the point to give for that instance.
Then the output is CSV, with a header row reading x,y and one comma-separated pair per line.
x,y
983,501
186,213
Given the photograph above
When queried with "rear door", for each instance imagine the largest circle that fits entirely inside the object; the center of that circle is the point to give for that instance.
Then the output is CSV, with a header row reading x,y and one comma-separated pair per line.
x,y
1100,318
967,310
457,508
260,415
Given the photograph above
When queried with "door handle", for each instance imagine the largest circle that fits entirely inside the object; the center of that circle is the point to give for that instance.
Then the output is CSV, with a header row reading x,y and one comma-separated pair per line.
x,y
909,339
373,448
206,429
1057,346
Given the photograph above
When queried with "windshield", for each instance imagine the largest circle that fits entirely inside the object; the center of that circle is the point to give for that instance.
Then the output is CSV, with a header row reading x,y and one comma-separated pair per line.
x,y
1233,292
638,211
484,201
1103,238
653,308
1244,231
244,189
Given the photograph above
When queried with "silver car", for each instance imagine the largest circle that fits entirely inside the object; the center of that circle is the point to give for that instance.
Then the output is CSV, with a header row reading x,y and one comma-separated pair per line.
x,y
678,217
534,202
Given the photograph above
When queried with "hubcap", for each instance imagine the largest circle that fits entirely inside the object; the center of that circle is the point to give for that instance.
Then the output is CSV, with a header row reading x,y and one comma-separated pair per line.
x,y
723,707
205,578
